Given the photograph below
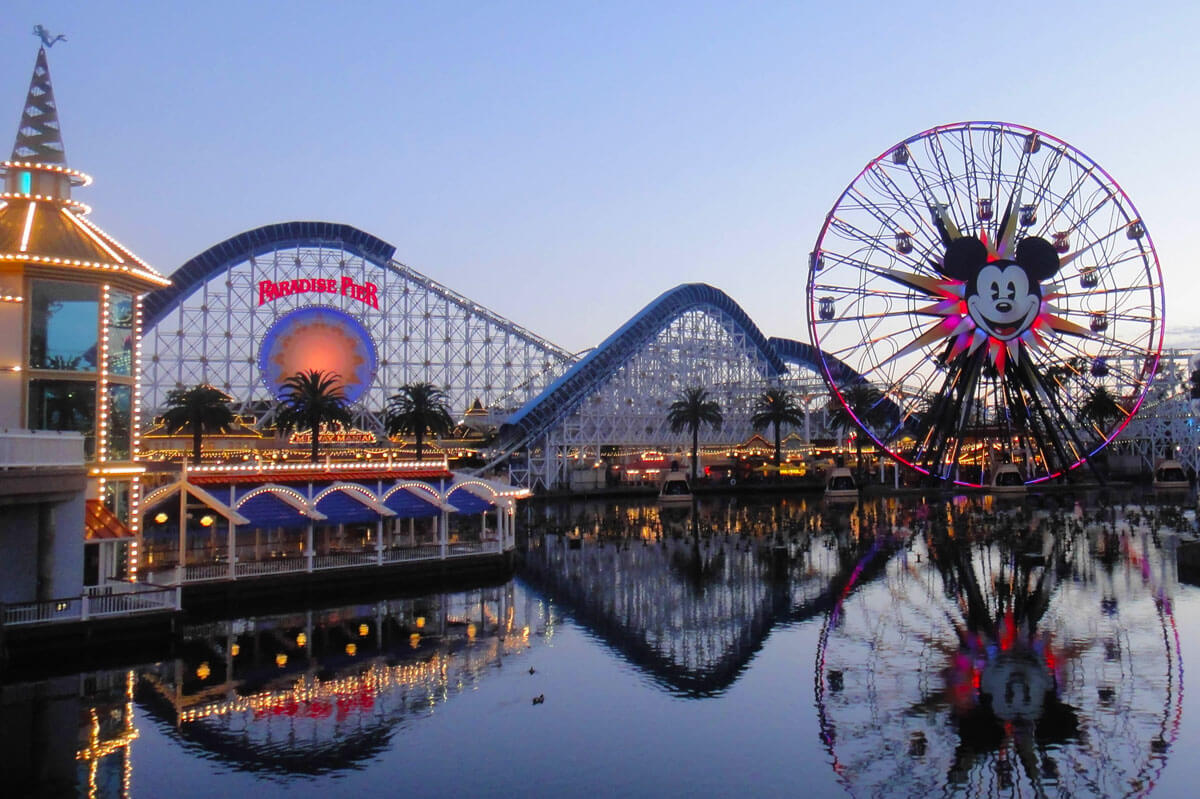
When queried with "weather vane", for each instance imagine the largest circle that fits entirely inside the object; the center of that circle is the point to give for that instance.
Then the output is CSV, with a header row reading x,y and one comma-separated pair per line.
x,y
46,38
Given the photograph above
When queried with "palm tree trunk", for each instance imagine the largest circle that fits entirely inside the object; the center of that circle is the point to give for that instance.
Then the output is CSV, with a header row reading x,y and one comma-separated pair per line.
x,y
778,447
197,435
695,447
314,424
420,435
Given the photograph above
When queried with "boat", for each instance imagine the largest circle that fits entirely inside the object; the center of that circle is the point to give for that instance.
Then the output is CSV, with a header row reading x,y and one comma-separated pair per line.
x,y
675,488
1007,479
1170,476
841,485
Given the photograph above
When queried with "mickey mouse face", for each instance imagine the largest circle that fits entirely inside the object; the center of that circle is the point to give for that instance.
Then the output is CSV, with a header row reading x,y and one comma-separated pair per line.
x,y
1003,297
1003,303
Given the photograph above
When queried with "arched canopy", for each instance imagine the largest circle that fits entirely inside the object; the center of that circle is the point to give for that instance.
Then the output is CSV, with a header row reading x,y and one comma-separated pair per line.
x,y
158,498
349,503
269,509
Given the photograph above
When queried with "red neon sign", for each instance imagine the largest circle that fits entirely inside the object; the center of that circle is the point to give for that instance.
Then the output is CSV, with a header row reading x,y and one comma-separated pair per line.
x,y
366,293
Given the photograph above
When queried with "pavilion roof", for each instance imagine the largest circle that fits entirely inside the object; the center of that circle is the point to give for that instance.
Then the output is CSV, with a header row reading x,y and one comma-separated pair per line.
x,y
40,224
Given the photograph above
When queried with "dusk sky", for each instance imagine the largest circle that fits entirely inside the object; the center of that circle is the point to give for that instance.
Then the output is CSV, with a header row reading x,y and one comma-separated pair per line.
x,y
564,163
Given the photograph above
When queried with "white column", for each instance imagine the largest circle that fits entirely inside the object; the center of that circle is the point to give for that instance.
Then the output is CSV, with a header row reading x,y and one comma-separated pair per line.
x,y
379,542
231,530
232,547
443,537
308,548
182,532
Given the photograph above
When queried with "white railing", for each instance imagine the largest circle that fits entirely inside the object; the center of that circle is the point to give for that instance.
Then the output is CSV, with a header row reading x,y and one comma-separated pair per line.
x,y
342,560
206,571
209,572
39,448
474,547
38,612
131,602
254,568
97,603
418,552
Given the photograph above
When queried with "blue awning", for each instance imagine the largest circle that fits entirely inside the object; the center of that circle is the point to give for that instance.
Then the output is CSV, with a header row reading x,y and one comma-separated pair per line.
x,y
342,508
268,510
466,502
408,505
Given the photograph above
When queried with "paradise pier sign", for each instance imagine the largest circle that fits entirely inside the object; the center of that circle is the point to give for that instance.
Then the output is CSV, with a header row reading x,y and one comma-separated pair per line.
x,y
366,293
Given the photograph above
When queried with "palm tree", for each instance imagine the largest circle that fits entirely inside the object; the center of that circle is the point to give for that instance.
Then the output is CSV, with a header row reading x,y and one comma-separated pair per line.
x,y
689,412
309,400
776,406
419,408
1100,410
203,410
865,402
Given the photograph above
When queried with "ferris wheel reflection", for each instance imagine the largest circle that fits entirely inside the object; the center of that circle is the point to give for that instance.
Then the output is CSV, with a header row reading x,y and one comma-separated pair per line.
x,y
1007,650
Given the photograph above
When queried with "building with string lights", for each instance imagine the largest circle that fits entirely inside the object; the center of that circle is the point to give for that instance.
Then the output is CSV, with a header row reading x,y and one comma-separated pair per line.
x,y
70,299
82,537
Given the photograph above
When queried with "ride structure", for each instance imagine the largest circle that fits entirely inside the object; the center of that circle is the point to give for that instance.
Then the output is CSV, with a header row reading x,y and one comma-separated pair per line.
x,y
616,398
997,286
242,313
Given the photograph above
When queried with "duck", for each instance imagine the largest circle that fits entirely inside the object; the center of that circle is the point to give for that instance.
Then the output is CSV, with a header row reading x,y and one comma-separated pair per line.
x,y
532,670
539,699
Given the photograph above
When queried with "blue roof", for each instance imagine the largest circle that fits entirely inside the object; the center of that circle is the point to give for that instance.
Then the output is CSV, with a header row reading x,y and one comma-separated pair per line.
x,y
408,505
342,508
268,510
466,502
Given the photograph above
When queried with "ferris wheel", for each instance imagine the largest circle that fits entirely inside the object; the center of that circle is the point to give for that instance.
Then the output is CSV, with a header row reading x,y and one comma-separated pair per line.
x,y
984,293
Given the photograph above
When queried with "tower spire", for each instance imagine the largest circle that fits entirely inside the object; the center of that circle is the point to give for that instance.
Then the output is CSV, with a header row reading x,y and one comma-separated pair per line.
x,y
39,139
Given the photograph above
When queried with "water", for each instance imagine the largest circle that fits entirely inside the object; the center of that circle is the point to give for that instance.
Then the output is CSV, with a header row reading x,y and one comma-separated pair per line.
x,y
753,647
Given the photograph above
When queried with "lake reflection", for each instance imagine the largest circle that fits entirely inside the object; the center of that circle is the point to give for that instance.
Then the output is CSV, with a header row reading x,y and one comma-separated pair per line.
x,y
956,647
321,691
1008,652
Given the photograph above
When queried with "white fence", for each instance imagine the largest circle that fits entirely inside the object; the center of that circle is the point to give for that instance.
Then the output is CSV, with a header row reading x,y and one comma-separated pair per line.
x,y
112,601
296,564
21,449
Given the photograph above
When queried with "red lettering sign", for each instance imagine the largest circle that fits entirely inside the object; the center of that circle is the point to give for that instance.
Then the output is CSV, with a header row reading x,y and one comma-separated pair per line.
x,y
366,293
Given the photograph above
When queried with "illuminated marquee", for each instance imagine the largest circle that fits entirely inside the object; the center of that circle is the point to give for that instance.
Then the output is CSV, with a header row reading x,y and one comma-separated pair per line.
x,y
337,435
366,293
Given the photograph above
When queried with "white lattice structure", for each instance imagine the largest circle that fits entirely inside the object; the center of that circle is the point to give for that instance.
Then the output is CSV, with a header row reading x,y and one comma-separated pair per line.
x,y
208,327
630,409
617,397
1166,426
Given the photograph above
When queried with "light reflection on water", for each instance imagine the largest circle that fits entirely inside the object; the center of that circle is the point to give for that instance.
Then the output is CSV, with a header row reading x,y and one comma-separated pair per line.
x,y
961,647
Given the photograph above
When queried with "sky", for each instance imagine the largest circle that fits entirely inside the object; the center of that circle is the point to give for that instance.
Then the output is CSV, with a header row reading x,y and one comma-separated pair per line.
x,y
563,163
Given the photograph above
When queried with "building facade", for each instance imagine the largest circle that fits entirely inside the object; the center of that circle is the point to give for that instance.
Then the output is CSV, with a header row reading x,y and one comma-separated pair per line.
x,y
70,328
